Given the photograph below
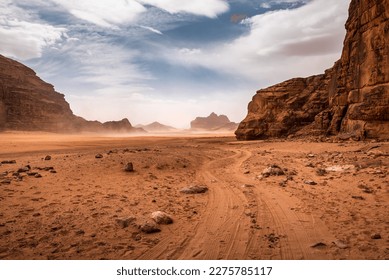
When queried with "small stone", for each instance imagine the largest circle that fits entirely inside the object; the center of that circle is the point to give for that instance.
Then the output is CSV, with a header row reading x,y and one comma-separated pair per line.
x,y
273,170
6,181
150,227
319,245
340,244
129,167
38,175
321,172
8,161
47,157
246,172
24,169
376,236
32,173
310,182
195,189
99,156
358,197
161,217
53,171
248,186
125,222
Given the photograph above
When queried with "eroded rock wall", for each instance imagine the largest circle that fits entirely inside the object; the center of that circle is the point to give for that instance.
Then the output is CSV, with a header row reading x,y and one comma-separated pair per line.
x,y
353,96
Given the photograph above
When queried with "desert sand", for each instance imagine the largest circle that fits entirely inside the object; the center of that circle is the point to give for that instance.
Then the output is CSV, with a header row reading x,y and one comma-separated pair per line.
x,y
295,199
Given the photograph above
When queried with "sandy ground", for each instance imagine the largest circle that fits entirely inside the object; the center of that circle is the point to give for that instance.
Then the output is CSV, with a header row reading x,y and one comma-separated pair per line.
x,y
331,202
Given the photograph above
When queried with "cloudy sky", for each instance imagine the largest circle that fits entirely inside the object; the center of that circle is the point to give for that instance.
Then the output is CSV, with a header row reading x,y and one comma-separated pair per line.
x,y
170,60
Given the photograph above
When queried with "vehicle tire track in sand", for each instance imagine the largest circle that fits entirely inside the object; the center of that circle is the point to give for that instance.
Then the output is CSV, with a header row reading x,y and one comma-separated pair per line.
x,y
224,230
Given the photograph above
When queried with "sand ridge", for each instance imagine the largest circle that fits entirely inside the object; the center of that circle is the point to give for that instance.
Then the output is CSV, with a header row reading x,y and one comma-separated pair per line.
x,y
331,202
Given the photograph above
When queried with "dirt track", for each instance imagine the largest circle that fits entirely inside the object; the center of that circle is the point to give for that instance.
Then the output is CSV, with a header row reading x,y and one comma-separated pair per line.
x,y
74,213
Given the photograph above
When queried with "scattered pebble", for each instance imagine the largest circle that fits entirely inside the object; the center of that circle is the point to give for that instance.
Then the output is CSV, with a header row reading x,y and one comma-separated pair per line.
x,y
319,245
358,197
8,161
6,181
129,167
47,157
99,156
195,189
273,170
310,182
376,236
38,175
149,227
340,244
161,217
125,222
248,186
24,169
321,172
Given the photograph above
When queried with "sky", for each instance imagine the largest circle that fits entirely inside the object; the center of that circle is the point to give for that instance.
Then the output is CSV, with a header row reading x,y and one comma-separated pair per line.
x,y
170,60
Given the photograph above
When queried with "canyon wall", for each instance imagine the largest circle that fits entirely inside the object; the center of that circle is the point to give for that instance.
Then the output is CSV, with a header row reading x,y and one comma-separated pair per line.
x,y
351,99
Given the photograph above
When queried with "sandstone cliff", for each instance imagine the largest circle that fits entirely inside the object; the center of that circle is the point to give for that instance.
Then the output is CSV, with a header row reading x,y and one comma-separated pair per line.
x,y
28,103
352,98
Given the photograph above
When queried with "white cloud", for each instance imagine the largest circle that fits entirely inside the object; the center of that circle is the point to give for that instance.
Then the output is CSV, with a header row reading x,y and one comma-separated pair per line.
x,y
20,38
104,13
280,45
208,8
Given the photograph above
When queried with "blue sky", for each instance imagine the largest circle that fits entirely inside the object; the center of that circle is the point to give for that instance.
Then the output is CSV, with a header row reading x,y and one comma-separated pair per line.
x,y
170,60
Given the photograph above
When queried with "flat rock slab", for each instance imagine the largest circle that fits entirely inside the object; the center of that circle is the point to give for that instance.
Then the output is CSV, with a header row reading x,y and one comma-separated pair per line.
x,y
161,217
195,189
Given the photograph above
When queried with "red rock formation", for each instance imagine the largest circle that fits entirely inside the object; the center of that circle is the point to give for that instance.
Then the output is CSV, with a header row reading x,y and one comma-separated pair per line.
x,y
28,103
352,98
211,122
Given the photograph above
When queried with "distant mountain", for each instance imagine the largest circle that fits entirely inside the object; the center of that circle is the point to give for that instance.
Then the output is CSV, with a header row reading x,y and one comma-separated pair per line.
x,y
157,127
213,122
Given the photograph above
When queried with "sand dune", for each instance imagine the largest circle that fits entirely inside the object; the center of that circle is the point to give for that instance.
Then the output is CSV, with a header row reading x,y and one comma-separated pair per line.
x,y
265,200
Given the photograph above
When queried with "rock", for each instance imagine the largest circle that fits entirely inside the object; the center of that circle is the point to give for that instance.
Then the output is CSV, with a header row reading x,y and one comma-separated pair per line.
x,y
99,156
194,189
149,227
161,218
24,169
321,172
6,181
319,245
310,182
32,173
8,161
129,167
351,99
248,186
38,175
376,236
358,197
273,170
47,157
340,244
125,222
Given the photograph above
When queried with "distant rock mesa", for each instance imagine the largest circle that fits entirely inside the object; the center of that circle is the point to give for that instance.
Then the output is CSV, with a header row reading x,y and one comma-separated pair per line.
x,y
28,103
350,100
213,122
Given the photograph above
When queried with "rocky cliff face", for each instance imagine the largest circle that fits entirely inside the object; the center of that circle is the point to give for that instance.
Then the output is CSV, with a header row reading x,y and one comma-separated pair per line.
x,y
28,103
352,98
